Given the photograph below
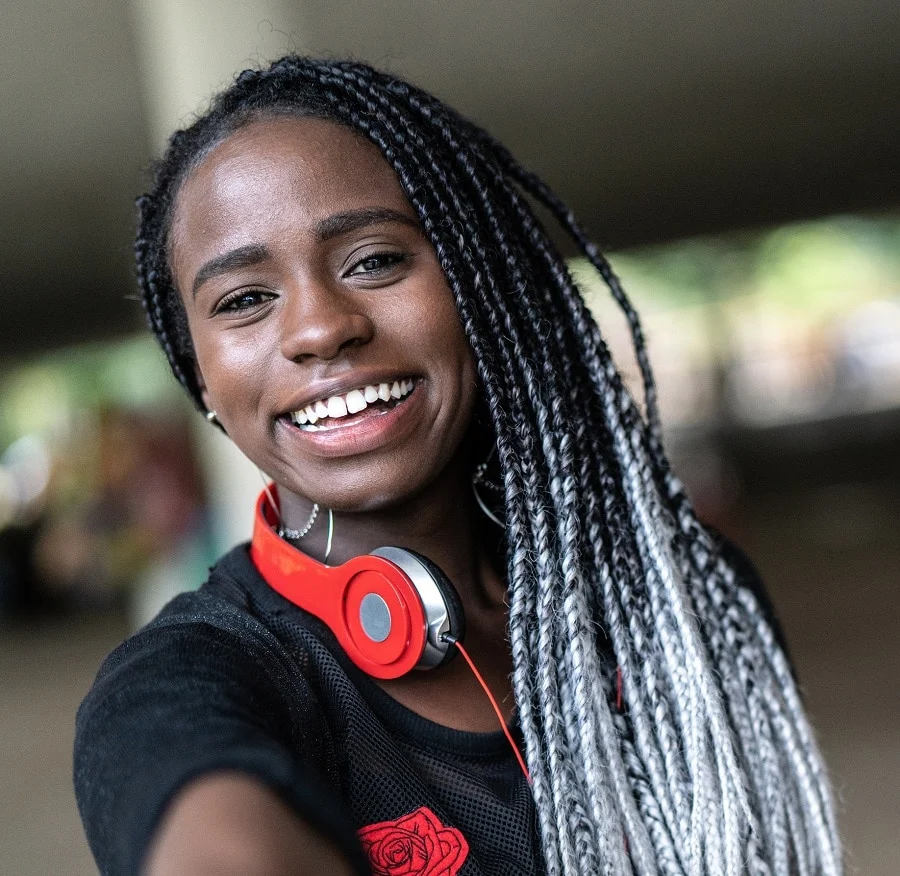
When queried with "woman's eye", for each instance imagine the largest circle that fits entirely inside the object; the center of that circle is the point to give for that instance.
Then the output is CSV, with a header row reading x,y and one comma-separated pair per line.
x,y
377,263
244,300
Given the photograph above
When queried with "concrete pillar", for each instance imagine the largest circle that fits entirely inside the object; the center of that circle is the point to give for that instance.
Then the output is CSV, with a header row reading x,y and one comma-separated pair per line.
x,y
189,49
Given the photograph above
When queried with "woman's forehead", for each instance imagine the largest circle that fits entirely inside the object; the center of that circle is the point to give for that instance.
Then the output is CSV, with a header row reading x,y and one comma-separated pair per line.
x,y
303,151
285,169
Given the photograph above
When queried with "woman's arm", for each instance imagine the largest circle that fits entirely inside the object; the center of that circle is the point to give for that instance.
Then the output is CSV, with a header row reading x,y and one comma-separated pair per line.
x,y
228,823
191,730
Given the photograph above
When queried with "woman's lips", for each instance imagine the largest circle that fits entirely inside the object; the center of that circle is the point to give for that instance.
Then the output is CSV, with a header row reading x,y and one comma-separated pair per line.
x,y
360,432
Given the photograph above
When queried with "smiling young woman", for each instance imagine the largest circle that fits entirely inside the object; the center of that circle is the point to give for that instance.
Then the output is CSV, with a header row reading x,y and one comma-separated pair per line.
x,y
347,277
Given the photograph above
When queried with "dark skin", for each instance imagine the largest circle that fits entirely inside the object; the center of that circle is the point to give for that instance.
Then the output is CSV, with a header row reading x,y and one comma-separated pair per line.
x,y
305,274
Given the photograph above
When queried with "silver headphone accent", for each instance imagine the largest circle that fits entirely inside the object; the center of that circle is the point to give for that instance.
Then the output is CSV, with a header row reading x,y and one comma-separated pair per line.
x,y
437,618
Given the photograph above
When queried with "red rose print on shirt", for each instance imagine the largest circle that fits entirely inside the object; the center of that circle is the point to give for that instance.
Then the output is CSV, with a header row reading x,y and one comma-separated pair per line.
x,y
414,845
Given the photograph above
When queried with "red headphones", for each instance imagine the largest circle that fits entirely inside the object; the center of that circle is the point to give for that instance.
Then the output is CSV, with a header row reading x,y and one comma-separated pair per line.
x,y
392,610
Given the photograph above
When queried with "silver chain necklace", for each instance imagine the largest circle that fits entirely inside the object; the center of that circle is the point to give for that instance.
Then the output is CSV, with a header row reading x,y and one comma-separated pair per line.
x,y
295,534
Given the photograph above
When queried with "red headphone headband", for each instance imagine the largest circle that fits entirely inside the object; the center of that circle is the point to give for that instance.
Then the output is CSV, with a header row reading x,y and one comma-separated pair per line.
x,y
369,603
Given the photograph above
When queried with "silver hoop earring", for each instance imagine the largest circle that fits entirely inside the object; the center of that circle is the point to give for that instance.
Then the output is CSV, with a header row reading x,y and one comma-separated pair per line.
x,y
479,479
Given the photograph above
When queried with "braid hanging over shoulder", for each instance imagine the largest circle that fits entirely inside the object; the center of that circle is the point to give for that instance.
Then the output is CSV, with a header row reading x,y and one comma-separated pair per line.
x,y
710,767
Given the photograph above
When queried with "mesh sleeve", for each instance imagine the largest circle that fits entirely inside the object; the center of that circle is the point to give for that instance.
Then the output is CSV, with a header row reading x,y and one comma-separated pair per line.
x,y
180,700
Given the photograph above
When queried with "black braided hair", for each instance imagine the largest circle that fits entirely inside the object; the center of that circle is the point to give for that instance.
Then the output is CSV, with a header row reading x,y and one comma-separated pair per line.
x,y
711,767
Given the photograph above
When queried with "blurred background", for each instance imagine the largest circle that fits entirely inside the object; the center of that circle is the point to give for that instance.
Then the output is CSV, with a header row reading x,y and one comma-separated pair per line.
x,y
738,161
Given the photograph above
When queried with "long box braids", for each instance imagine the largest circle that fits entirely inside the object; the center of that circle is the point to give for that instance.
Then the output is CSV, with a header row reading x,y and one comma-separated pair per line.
x,y
710,767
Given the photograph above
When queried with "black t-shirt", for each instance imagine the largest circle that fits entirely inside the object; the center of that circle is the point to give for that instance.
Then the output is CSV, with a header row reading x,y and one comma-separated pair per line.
x,y
235,677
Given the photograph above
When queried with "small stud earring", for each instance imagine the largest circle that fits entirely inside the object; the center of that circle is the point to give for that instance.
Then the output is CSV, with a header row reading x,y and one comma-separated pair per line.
x,y
211,417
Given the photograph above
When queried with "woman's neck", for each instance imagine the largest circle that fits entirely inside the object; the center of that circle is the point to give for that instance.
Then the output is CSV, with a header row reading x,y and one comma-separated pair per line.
x,y
444,524
441,523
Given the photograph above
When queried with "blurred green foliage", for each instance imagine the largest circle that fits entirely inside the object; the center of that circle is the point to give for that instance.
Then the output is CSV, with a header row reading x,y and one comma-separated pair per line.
x,y
819,268
45,395
812,271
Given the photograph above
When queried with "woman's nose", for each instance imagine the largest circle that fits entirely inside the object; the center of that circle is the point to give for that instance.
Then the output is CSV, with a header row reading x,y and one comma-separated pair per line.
x,y
321,320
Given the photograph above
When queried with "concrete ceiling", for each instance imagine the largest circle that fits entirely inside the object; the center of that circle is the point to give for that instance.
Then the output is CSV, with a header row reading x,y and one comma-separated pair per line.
x,y
653,120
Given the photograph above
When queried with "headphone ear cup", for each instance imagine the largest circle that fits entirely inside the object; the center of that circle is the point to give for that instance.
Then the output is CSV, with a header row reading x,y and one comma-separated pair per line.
x,y
443,608
455,613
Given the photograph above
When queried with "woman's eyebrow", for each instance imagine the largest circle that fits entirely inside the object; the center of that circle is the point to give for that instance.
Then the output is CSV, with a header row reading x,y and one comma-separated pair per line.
x,y
242,257
352,220
332,226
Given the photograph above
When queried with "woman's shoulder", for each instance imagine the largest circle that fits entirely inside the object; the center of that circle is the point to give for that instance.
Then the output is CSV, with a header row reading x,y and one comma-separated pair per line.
x,y
219,613
222,644
748,577
233,603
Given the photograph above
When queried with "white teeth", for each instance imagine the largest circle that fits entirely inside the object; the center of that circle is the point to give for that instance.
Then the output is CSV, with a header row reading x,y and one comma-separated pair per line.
x,y
338,406
356,402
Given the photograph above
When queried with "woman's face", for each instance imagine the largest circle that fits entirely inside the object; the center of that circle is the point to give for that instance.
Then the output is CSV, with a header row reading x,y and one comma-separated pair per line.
x,y
309,290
